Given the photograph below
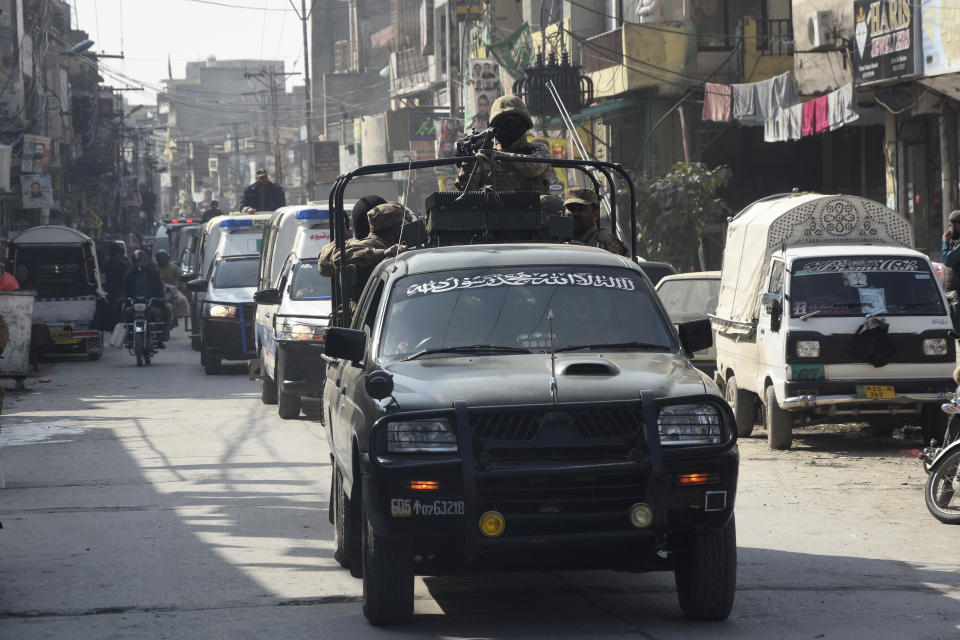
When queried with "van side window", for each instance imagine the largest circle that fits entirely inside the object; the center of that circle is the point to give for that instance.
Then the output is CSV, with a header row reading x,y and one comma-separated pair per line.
x,y
776,277
367,311
284,272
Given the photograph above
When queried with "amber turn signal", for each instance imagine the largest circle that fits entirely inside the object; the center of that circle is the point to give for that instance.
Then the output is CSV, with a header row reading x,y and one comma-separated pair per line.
x,y
687,479
424,485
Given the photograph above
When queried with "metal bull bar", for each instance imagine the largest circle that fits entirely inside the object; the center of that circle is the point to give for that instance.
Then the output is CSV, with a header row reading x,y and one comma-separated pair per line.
x,y
338,228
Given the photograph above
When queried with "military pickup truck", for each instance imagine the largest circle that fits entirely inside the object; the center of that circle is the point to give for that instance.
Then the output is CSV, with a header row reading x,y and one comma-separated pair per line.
x,y
499,407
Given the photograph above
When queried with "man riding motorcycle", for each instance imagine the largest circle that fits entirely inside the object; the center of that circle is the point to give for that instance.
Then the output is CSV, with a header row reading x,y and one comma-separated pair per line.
x,y
142,283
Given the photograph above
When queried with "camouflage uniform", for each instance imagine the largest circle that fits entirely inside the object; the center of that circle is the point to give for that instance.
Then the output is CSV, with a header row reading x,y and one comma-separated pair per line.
x,y
594,237
509,176
368,252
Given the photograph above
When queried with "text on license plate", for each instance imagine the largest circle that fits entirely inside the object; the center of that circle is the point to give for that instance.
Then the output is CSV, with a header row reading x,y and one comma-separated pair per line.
x,y
61,335
876,392
409,507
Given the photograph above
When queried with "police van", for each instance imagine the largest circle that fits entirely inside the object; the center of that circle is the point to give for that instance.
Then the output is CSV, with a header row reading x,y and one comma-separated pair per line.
x,y
228,263
293,307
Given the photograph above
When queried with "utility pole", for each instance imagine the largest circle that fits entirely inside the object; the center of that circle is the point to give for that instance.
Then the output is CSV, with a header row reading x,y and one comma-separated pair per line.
x,y
304,16
272,75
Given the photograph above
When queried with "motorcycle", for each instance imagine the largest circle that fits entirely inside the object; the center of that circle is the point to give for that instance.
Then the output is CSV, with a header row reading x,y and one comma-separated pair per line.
x,y
942,463
144,334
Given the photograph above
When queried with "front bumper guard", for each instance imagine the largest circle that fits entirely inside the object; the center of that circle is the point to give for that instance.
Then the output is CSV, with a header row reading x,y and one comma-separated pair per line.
x,y
814,401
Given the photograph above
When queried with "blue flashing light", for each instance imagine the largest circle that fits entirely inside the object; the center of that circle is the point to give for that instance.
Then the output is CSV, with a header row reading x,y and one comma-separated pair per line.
x,y
312,215
241,223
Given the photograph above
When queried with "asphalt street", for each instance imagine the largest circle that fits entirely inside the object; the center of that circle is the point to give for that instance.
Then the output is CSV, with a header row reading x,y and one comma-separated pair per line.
x,y
164,503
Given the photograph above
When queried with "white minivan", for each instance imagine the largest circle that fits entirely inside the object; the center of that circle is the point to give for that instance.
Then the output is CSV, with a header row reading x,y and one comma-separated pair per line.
x,y
293,308
828,314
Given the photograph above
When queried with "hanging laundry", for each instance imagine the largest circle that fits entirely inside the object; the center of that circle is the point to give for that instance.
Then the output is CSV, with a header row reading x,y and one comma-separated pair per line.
x,y
716,102
841,109
787,125
745,102
794,118
821,114
758,102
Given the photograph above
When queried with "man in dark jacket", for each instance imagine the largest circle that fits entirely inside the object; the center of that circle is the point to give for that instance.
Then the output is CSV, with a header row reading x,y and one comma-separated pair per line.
x,y
263,195
143,282
212,212
115,273
950,256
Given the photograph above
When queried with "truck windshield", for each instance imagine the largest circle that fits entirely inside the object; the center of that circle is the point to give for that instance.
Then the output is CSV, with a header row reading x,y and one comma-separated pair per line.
x,y
861,285
240,272
54,271
308,284
506,309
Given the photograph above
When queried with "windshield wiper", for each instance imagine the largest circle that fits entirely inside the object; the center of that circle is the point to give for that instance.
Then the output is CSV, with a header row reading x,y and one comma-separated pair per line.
x,y
616,345
470,348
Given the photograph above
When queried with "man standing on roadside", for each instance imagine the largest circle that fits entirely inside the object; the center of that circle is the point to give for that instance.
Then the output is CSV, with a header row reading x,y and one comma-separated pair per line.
x,y
950,256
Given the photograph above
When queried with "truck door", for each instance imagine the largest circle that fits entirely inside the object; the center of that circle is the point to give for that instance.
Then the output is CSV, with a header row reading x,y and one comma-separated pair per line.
x,y
770,334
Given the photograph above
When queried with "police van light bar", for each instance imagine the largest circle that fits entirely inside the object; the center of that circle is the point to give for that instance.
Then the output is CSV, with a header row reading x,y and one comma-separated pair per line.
x,y
312,215
236,224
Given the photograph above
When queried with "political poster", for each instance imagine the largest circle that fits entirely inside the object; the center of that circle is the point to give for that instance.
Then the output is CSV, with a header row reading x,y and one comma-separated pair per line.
x,y
451,129
35,157
37,191
483,86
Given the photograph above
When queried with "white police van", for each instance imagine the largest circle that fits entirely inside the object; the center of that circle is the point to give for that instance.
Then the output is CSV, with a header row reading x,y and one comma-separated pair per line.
x,y
293,307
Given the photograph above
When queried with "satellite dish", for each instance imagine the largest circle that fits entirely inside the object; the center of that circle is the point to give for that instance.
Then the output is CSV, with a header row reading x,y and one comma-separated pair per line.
x,y
550,11
78,48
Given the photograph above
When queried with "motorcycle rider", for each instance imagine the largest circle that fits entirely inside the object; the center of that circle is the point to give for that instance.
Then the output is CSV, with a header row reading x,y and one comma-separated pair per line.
x,y
142,283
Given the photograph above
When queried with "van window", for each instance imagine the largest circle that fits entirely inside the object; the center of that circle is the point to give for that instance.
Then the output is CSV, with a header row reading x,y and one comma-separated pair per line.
x,y
55,272
860,285
776,277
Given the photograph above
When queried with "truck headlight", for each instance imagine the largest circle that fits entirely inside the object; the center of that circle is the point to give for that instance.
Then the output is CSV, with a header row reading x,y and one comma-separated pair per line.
x,y
689,424
222,311
421,436
297,329
808,348
935,347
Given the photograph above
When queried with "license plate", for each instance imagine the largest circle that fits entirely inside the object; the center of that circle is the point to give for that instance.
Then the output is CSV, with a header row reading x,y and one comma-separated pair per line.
x,y
876,392
807,372
413,507
61,335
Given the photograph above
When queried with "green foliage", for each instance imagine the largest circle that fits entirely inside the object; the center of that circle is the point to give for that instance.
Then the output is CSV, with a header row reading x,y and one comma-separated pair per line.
x,y
673,210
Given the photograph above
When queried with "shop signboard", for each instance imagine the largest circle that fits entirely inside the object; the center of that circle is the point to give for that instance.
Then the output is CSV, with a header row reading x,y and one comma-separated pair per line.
x,y
887,41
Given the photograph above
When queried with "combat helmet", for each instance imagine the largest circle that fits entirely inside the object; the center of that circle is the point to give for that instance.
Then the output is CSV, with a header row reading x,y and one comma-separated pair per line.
x,y
506,105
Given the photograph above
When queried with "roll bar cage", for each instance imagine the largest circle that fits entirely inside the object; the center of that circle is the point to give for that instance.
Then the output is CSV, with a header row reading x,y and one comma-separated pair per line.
x,y
338,226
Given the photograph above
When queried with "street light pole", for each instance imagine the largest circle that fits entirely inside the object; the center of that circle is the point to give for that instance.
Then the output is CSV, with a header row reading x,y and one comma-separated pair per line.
x,y
304,18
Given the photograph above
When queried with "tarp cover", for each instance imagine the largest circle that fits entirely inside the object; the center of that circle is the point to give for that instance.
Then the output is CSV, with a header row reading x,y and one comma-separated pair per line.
x,y
801,219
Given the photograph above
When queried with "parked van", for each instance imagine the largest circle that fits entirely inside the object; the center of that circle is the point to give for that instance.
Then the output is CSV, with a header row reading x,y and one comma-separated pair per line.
x,y
293,307
235,234
826,313
60,264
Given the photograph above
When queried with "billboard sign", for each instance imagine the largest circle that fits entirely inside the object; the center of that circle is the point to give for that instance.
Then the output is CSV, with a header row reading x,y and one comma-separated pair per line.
x,y
887,41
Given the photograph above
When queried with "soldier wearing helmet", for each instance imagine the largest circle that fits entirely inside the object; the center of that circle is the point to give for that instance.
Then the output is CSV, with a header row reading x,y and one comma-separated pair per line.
x,y
584,207
511,119
385,220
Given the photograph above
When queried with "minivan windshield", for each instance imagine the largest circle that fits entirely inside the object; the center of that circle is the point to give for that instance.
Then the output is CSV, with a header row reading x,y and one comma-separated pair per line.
x,y
504,310
308,284
862,285
237,272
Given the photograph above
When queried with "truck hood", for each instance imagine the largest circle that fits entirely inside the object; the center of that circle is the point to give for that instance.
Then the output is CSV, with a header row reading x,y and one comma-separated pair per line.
x,y
236,295
438,382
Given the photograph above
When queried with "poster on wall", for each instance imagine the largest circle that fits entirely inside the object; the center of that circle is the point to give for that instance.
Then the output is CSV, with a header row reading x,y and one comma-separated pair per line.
x,y
451,129
484,85
35,157
941,36
887,41
37,192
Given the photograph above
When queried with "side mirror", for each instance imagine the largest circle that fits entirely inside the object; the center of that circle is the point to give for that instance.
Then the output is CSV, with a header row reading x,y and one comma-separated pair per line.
x,y
345,344
197,285
187,277
379,384
267,296
695,335
773,303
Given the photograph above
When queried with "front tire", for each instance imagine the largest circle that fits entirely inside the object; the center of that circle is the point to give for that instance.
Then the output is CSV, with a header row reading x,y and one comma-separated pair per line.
x,y
705,568
347,523
138,348
387,578
211,365
288,404
268,386
942,491
779,422
742,404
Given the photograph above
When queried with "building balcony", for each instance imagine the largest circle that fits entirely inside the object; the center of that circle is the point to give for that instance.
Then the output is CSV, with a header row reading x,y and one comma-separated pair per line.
x,y
634,57
412,72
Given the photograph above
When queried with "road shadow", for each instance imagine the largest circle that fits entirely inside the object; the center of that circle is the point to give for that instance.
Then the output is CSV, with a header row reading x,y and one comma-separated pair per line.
x,y
780,594
850,440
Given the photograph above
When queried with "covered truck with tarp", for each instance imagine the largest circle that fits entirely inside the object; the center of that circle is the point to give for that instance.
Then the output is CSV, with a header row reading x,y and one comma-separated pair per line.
x,y
827,314
60,264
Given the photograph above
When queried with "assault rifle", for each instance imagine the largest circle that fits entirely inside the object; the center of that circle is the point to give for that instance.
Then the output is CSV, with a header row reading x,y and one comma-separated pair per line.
x,y
469,145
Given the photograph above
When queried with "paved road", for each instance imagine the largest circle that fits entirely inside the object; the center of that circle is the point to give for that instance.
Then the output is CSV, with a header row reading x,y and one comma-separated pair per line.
x,y
163,503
